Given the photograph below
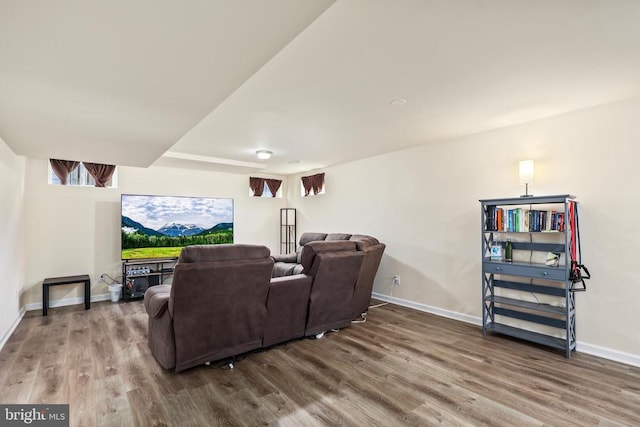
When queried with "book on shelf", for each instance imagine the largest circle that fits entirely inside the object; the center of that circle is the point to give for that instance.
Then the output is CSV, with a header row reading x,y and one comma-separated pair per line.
x,y
523,220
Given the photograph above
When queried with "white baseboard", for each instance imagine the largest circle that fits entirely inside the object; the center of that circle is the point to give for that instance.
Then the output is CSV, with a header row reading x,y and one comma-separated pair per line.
x,y
429,309
13,327
592,349
607,353
67,301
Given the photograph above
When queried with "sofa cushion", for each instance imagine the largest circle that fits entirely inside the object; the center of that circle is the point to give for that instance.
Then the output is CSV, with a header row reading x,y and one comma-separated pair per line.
x,y
337,236
308,238
292,257
311,237
281,269
363,241
224,252
311,249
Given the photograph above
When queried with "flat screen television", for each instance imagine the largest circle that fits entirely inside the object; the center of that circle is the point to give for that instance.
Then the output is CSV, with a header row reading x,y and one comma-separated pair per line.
x,y
160,226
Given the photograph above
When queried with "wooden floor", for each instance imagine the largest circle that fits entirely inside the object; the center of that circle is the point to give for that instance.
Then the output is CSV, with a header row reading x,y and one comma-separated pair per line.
x,y
401,367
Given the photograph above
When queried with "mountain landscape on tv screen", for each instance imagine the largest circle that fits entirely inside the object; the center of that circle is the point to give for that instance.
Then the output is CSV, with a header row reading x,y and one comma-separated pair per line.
x,y
131,226
163,225
172,230
175,229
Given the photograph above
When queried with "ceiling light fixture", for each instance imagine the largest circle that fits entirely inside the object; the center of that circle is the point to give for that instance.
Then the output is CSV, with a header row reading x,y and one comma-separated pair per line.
x,y
264,154
295,162
398,102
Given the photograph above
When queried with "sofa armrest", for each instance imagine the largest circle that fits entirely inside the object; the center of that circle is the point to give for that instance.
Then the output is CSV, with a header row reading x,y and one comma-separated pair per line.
x,y
156,300
293,257
286,308
158,305
292,281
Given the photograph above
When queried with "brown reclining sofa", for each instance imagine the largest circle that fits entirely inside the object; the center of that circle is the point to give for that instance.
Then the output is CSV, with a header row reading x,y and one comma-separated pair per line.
x,y
224,302
289,264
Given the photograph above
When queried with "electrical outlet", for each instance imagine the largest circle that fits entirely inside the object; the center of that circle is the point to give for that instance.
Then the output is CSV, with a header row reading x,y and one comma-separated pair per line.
x,y
396,280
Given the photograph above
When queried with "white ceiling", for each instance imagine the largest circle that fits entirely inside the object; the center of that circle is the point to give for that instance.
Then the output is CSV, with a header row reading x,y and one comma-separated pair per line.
x,y
207,83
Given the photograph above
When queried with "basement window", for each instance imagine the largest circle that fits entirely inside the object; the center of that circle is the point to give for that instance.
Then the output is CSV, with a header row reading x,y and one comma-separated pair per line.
x,y
312,185
259,187
80,177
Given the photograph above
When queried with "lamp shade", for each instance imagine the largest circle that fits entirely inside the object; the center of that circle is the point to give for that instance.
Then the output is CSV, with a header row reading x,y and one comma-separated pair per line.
x,y
526,171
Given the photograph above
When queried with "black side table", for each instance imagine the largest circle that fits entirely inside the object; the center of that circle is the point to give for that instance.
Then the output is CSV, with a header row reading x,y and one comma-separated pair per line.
x,y
54,281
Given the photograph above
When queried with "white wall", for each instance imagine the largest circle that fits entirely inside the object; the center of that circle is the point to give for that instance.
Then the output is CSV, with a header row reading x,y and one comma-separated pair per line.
x,y
423,203
12,260
76,230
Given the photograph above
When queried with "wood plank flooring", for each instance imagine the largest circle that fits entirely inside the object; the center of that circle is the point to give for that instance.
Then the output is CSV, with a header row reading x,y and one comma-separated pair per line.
x,y
401,367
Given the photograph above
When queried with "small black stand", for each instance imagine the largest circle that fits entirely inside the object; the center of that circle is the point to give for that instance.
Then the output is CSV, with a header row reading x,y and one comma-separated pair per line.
x,y
67,280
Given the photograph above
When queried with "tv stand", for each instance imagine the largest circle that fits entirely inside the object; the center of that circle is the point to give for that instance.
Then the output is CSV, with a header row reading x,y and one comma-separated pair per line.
x,y
140,274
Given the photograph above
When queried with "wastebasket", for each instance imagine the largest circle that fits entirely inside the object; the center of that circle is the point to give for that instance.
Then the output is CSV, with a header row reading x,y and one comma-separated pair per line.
x,y
116,290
